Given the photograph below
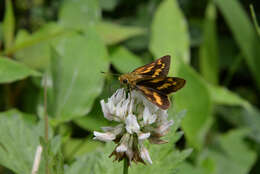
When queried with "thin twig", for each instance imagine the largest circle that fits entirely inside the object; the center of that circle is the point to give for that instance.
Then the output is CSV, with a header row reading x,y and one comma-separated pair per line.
x,y
46,123
37,159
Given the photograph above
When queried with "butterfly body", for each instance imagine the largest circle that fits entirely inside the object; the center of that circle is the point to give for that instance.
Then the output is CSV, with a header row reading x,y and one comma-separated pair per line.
x,y
152,81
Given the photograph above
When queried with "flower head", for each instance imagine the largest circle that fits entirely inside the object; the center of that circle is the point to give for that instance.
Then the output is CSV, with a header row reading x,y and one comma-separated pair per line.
x,y
139,120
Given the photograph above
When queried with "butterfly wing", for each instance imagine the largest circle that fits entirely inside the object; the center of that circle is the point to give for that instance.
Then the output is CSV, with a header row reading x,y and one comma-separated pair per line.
x,y
158,68
154,96
164,85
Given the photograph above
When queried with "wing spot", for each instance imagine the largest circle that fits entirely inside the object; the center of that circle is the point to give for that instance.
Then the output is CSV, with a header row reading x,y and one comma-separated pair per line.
x,y
165,85
148,69
156,80
146,91
157,98
158,71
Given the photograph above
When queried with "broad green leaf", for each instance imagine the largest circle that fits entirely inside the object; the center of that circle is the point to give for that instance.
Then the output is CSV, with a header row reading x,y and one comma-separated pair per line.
x,y
8,24
124,60
243,32
221,95
245,117
108,5
209,50
79,147
79,14
187,168
11,71
196,99
114,33
235,156
18,141
27,47
169,33
77,80
229,153
240,111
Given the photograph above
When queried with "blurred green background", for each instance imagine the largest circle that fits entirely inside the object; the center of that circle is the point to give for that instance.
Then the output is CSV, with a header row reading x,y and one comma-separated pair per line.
x,y
214,45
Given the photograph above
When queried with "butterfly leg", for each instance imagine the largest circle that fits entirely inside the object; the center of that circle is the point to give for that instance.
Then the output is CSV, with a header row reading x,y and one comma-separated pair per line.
x,y
129,90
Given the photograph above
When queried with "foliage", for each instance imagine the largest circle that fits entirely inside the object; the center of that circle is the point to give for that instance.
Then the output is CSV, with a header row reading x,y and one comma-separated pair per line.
x,y
214,46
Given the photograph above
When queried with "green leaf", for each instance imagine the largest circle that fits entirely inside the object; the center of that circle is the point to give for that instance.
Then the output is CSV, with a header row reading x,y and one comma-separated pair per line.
x,y
79,147
245,117
114,33
242,112
209,49
124,60
245,35
19,140
77,80
196,99
221,95
79,14
8,24
27,47
11,71
229,154
236,156
170,33
187,168
108,5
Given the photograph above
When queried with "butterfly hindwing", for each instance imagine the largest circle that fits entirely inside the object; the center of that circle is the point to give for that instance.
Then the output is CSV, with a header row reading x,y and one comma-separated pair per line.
x,y
158,68
161,100
165,85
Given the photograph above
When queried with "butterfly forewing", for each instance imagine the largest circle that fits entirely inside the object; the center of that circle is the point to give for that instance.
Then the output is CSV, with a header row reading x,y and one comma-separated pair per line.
x,y
158,68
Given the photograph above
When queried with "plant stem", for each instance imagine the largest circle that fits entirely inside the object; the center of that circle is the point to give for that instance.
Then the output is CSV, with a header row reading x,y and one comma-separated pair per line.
x,y
254,19
46,122
125,166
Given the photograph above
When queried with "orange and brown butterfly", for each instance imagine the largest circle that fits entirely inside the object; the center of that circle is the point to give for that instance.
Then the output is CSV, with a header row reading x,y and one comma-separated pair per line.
x,y
152,81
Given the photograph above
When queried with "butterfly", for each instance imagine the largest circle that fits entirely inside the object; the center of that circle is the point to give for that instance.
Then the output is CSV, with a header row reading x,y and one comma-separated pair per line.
x,y
151,79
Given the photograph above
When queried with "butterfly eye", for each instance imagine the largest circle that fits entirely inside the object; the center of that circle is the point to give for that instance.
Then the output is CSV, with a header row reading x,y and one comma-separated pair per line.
x,y
125,81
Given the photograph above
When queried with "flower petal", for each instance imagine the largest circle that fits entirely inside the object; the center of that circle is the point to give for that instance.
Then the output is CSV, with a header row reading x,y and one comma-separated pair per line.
x,y
108,136
132,124
142,136
121,148
148,117
145,155
164,128
106,110
118,96
115,130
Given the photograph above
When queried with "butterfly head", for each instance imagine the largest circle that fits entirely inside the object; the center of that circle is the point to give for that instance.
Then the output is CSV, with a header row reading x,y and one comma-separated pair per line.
x,y
125,79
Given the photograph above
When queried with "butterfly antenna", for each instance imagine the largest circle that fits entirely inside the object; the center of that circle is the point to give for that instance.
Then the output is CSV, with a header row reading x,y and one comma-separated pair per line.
x,y
113,74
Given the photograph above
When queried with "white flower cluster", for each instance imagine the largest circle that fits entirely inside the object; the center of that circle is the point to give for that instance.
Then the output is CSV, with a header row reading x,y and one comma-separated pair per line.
x,y
139,120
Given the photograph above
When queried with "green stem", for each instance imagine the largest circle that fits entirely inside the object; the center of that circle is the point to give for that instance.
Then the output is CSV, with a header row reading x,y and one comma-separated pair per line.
x,y
125,166
254,19
46,123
